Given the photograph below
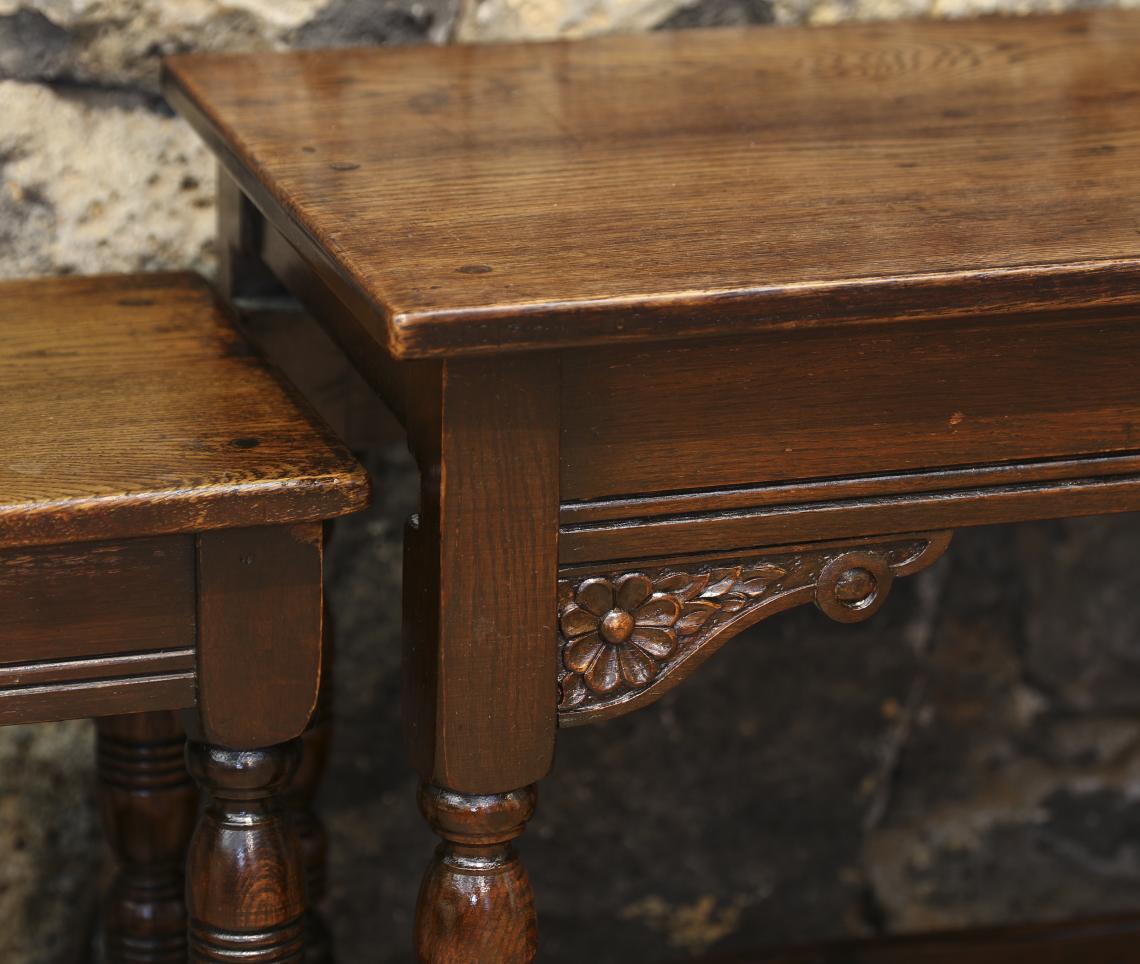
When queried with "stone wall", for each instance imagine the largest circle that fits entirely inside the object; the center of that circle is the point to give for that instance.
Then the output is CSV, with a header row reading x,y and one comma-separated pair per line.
x,y
998,751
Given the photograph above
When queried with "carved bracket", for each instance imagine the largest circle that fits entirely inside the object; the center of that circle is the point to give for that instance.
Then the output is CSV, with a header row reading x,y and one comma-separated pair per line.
x,y
627,638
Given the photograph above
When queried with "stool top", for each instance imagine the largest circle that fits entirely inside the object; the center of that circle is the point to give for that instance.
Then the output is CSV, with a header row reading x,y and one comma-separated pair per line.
x,y
482,198
130,406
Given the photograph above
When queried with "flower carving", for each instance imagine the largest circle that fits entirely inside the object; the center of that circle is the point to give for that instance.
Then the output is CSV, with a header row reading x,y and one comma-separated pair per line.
x,y
626,638
620,632
616,630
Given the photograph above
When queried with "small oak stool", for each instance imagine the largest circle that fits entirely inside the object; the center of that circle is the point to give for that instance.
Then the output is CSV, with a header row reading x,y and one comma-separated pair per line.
x,y
161,501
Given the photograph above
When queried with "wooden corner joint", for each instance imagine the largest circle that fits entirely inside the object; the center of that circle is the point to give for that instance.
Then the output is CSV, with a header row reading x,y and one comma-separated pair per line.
x,y
628,637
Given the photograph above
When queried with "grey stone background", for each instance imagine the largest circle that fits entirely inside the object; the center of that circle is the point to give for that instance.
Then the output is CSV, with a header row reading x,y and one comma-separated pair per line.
x,y
971,755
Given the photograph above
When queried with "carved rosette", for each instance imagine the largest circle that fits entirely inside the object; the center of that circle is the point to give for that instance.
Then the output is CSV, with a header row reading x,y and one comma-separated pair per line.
x,y
626,638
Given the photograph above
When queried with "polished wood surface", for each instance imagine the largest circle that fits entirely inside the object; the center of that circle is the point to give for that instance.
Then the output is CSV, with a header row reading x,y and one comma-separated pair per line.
x,y
902,431
717,445
827,404
130,407
102,627
694,182
259,634
475,905
480,590
245,877
157,574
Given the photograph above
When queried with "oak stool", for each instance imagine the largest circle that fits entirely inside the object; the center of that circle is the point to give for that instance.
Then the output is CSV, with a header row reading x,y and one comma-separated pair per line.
x,y
686,329
161,505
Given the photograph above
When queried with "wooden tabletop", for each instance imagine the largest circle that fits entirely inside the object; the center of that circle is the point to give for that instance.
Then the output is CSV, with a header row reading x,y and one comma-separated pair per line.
x,y
704,182
130,407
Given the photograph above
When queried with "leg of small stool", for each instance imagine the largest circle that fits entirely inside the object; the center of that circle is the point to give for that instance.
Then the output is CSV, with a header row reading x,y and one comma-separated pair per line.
x,y
149,804
245,890
259,670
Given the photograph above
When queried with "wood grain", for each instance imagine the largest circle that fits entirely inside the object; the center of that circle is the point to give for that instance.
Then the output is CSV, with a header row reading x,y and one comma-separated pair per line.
x,y
481,580
627,424
259,634
100,599
903,429
699,182
106,627
144,453
131,407
475,904
245,878
827,404
699,239
713,531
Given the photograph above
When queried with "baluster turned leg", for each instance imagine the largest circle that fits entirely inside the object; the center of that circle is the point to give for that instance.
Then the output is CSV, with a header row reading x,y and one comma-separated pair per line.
x,y
245,877
149,804
476,905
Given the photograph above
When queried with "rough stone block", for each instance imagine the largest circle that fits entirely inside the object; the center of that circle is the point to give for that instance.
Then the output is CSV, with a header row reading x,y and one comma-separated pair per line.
x,y
96,182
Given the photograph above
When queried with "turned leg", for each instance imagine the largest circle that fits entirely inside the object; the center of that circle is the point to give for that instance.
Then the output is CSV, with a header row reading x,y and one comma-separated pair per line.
x,y
149,804
475,905
245,877
480,672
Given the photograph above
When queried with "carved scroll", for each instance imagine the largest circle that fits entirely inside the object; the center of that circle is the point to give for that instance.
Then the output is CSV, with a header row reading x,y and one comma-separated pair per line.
x,y
626,638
